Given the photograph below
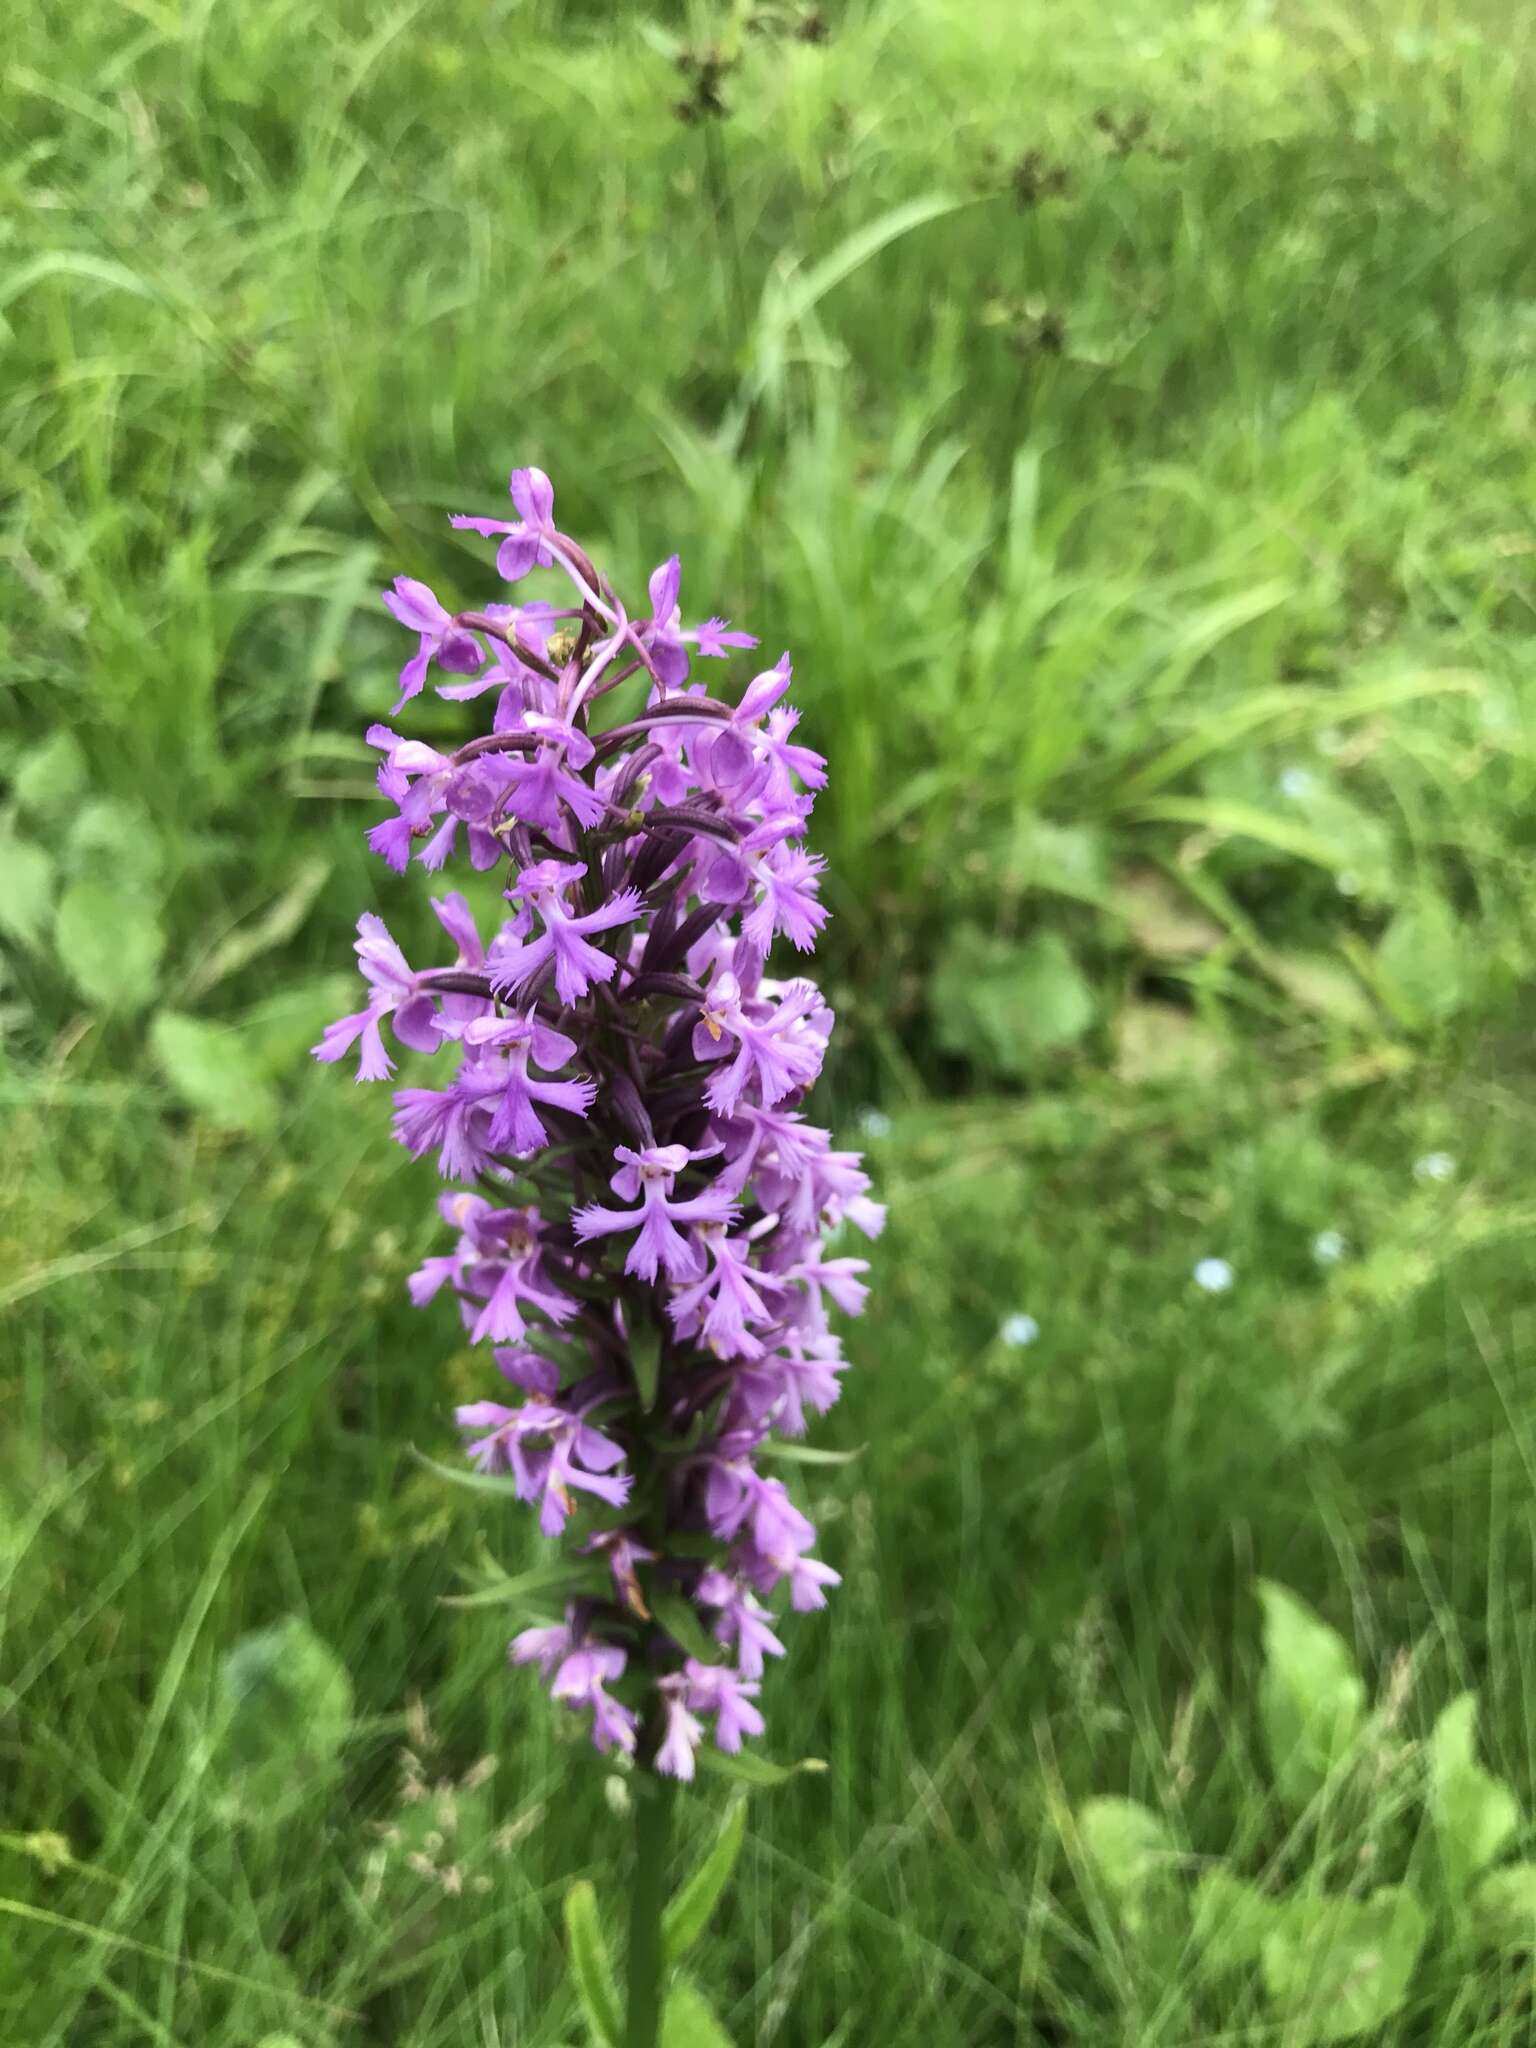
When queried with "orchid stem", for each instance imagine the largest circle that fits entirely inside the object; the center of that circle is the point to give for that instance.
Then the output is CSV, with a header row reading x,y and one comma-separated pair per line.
x,y
643,1971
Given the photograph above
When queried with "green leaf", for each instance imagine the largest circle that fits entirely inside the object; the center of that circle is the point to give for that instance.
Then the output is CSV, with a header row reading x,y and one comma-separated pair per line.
x,y
50,775
1132,1855
26,890
1504,1908
1421,963
689,2019
280,1030
502,1486
1231,1920
591,1968
1473,1813
1311,1696
110,943
211,1068
1004,1007
285,1711
114,841
1336,1968
746,1767
645,1357
681,1622
784,1451
538,1590
257,935
1323,985
687,1914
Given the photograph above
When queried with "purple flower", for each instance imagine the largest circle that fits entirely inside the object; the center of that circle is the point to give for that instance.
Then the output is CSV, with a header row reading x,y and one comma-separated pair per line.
x,y
659,1242
395,992
439,637
648,1346
518,964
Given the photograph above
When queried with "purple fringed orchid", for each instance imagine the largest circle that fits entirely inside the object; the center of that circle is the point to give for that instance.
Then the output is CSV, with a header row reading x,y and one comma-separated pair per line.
x,y
642,1211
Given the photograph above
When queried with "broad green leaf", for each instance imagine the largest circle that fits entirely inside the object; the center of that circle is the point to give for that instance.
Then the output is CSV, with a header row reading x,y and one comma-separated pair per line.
x,y
114,841
687,1913
211,1068
1473,1813
286,1708
1336,1968
591,1969
681,1622
748,1768
280,1030
1504,1908
1132,1855
1003,1006
1231,1920
1421,963
50,775
689,2019
26,890
109,942
1311,1697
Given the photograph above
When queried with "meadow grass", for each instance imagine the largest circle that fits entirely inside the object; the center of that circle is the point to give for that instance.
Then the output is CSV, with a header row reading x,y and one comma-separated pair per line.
x,y
1126,417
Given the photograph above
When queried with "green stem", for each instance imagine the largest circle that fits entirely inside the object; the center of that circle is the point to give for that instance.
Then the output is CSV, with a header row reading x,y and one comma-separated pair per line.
x,y
653,1834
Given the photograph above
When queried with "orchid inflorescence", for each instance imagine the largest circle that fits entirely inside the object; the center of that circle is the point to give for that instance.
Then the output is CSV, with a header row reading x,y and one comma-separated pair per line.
x,y
643,1210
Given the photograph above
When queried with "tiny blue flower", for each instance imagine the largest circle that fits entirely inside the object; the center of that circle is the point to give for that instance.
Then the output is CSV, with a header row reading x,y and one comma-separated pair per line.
x,y
1434,1166
1019,1330
1328,1247
1296,782
874,1123
1214,1276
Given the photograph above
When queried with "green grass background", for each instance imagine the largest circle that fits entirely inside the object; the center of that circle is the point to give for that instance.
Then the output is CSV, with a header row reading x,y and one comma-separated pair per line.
x,y
1125,414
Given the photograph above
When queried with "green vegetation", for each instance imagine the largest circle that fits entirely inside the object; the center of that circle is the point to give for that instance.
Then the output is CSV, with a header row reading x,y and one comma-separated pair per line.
x,y
1126,417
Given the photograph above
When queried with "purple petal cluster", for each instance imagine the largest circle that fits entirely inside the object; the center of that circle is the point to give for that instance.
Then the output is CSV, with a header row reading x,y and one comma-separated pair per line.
x,y
640,1210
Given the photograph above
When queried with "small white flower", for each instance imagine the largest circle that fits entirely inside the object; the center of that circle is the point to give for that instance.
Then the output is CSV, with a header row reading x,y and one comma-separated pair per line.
x,y
1215,1276
874,1123
1328,1247
1347,884
1434,1166
1019,1330
1296,782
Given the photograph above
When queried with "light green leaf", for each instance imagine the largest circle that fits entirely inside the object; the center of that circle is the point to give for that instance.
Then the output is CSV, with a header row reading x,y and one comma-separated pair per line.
x,y
50,775
787,1451
501,1485
280,1030
682,1624
1335,1968
1504,1908
211,1068
591,1969
687,1913
114,841
689,2020
1324,985
1131,1853
1160,1042
26,890
1473,1813
1231,1920
1311,1696
543,1589
1421,963
748,1768
286,1708
110,943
